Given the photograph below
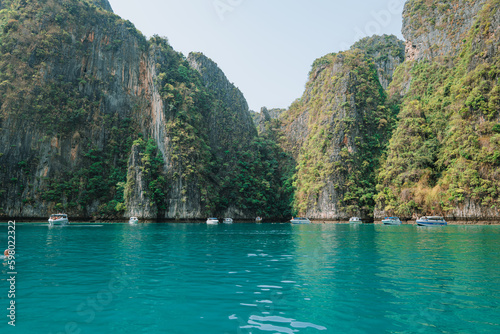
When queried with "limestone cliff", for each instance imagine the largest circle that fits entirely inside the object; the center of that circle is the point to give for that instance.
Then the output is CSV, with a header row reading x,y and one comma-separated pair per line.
x,y
246,168
232,112
98,122
336,132
71,75
265,116
437,28
387,52
443,156
104,4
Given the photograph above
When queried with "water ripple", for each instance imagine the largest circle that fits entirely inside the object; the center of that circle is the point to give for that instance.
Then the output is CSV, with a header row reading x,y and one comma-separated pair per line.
x,y
188,278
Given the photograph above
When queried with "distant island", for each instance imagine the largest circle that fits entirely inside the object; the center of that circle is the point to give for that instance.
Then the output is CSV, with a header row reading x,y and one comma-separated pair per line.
x,y
101,123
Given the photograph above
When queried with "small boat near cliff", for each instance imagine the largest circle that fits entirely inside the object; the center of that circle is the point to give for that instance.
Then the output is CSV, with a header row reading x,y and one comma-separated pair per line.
x,y
355,220
258,220
212,221
133,220
391,221
431,221
58,219
228,220
300,220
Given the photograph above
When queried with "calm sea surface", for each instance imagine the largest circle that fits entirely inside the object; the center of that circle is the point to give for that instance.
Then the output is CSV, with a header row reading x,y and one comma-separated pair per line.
x,y
249,278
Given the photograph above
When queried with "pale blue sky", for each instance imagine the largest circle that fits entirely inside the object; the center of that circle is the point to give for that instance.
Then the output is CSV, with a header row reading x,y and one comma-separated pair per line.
x,y
265,47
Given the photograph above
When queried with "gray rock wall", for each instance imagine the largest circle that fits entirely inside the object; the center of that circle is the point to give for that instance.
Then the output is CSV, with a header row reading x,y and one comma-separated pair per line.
x,y
437,30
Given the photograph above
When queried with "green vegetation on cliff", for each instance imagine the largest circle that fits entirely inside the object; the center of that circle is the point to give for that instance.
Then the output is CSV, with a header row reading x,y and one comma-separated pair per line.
x,y
380,48
348,124
36,45
214,141
80,81
280,176
445,151
42,94
246,172
111,122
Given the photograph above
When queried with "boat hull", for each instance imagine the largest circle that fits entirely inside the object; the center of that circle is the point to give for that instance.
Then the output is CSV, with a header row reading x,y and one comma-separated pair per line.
x,y
58,221
431,223
391,222
300,222
355,220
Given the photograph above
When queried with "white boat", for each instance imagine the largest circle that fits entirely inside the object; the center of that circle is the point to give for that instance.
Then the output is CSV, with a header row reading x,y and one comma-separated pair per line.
x,y
58,219
355,220
133,220
212,221
431,221
300,220
228,220
258,220
391,221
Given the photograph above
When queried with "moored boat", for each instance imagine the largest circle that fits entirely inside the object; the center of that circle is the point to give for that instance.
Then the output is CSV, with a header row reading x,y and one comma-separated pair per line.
x,y
58,219
228,220
212,221
300,220
355,220
431,221
258,220
391,221
133,220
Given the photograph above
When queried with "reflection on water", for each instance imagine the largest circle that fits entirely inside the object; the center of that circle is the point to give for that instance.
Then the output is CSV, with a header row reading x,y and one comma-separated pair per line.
x,y
257,278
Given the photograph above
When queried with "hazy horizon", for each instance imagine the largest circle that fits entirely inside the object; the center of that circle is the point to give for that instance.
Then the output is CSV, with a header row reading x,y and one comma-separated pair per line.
x,y
265,48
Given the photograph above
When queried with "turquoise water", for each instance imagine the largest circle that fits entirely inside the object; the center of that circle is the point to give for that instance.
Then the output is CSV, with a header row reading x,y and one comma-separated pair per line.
x,y
249,278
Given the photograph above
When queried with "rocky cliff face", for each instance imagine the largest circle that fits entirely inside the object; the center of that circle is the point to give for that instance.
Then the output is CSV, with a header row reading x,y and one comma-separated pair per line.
x,y
437,28
104,4
335,132
231,133
265,116
441,158
67,98
387,52
98,122
232,112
